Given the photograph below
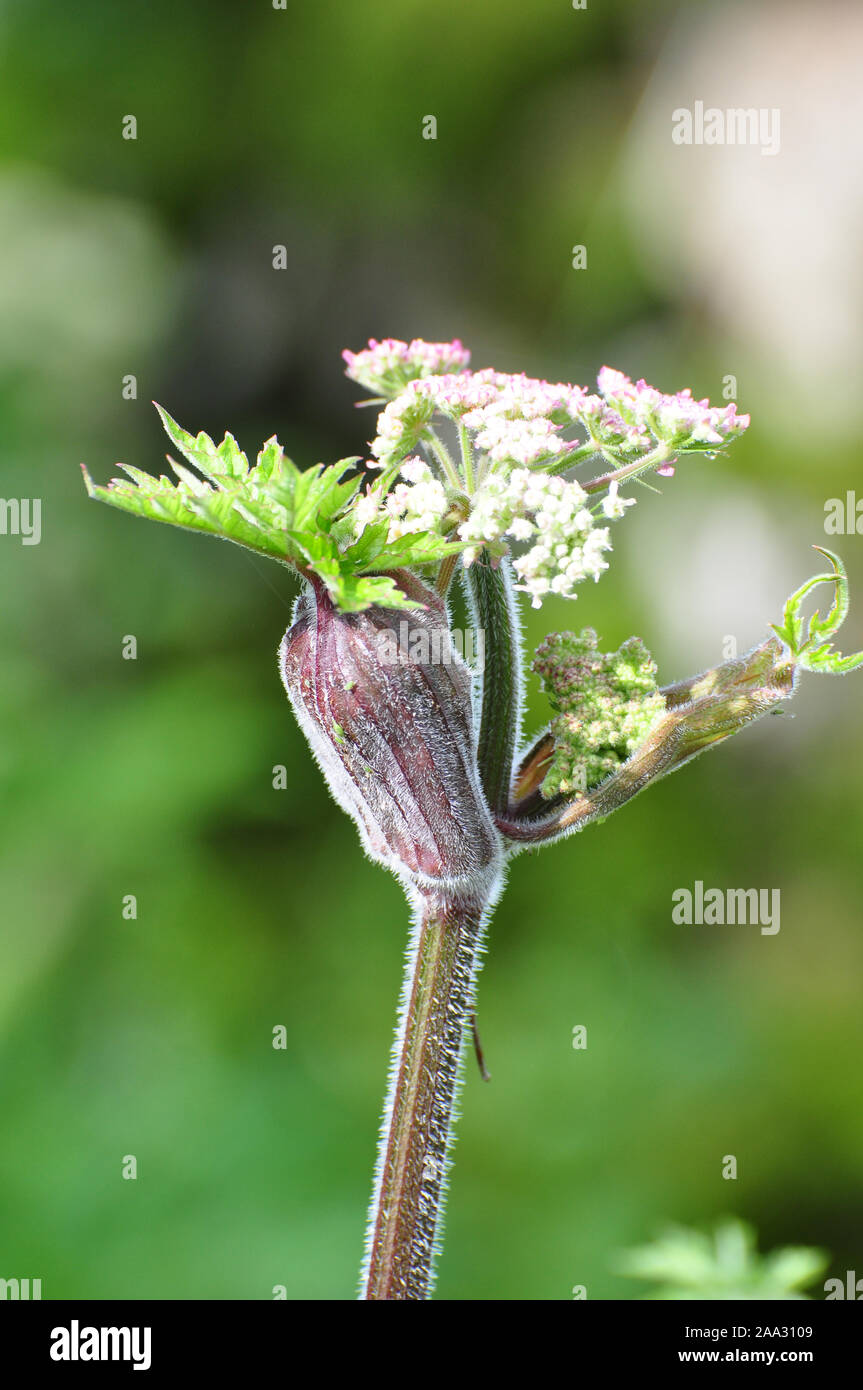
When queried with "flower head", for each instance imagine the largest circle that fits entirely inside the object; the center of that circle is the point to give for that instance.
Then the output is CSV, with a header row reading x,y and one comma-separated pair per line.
x,y
510,420
554,515
678,420
513,420
417,504
386,367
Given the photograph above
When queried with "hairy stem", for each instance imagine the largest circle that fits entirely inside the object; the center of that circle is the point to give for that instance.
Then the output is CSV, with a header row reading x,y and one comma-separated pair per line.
x,y
445,574
466,457
661,454
571,459
442,455
490,595
410,1180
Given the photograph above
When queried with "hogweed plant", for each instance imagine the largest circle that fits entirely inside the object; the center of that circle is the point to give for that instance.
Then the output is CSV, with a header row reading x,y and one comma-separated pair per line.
x,y
471,475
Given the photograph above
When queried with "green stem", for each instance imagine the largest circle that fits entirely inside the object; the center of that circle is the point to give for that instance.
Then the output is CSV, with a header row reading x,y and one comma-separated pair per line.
x,y
577,456
445,574
410,1183
442,455
655,459
466,457
492,602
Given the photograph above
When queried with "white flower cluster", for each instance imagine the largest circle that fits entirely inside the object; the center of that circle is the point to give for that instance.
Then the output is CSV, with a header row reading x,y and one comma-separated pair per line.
x,y
417,504
514,419
401,423
553,513
522,442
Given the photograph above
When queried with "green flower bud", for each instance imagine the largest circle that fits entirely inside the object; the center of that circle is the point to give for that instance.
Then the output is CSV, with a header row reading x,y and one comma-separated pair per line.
x,y
605,705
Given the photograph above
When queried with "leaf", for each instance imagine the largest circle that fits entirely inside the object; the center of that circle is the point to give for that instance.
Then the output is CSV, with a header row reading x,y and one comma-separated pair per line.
x,y
268,459
362,552
159,500
358,592
417,548
810,649
226,461
315,497
839,611
725,1265
297,517
253,507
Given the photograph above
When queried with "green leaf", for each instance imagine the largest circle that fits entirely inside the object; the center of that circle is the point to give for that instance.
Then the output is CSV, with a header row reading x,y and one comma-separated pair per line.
x,y
315,497
416,548
301,518
358,592
216,463
690,1265
362,552
256,508
808,646
269,459
196,510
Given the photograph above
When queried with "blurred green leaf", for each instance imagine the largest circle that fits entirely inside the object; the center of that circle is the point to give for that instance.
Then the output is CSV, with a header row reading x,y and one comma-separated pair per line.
x,y
725,1265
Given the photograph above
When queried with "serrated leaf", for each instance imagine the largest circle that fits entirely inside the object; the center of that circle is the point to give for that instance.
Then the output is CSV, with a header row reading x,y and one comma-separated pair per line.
x,y
365,550
315,547
809,647
362,591
278,510
268,459
192,481
417,548
216,463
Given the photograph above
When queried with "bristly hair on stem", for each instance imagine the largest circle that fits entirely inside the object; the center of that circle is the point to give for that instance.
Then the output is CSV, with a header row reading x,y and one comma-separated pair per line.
x,y
406,1213
491,601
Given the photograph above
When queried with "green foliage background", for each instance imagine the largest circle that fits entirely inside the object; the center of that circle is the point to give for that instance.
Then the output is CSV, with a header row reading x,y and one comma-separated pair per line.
x,y
154,776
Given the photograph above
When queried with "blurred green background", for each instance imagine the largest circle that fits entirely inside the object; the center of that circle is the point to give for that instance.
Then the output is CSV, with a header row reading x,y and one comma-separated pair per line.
x,y
302,127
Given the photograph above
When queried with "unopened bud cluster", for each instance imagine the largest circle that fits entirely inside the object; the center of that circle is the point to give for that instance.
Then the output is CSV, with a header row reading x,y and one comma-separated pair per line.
x,y
606,704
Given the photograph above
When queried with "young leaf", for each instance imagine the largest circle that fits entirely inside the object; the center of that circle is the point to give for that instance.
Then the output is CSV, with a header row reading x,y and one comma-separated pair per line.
x,y
224,461
301,518
810,649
